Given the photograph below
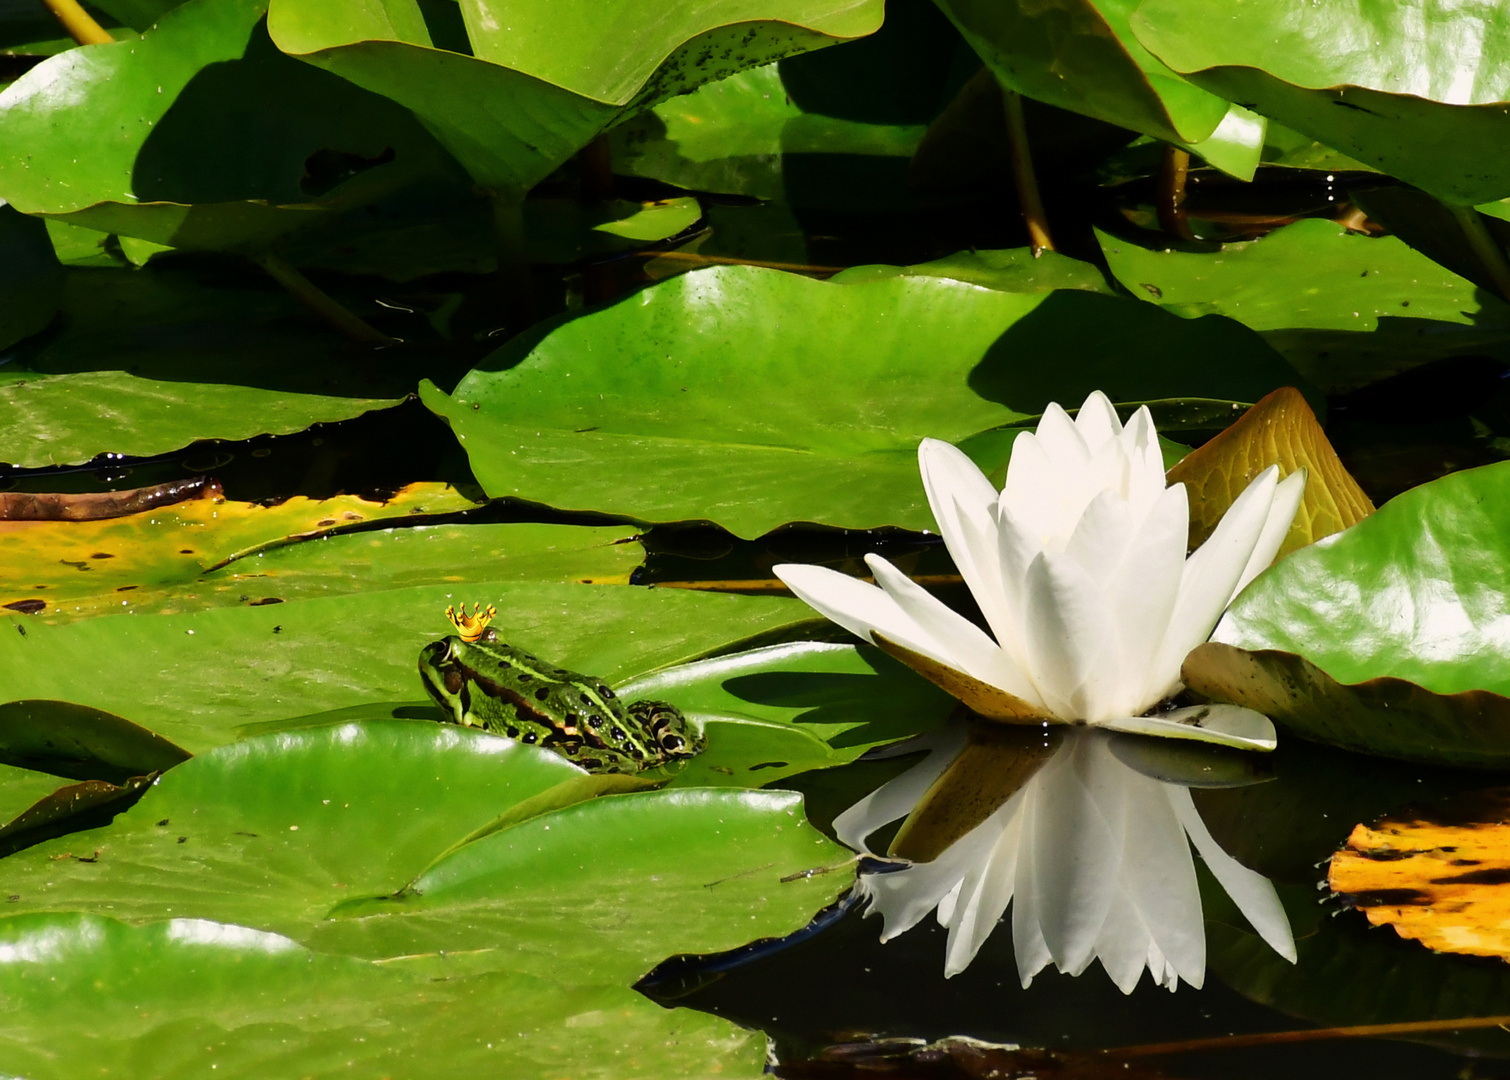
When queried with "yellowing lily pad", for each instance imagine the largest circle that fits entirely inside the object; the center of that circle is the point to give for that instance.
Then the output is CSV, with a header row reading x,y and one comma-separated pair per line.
x,y
1280,430
1441,878
80,568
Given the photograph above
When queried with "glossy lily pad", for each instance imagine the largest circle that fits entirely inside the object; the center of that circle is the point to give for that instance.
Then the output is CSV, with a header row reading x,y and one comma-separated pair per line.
x,y
190,995
1344,309
195,678
554,74
81,743
1398,94
691,401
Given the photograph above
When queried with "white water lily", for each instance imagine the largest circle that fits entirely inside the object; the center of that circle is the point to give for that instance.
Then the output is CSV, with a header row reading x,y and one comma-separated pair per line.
x,y
1093,857
1078,565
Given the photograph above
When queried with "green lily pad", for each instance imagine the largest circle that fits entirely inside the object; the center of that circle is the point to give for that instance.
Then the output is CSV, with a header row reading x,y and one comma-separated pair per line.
x,y
692,401
1394,93
198,168
189,995
556,74
71,808
1402,613
1013,270
81,743
1081,55
773,712
194,678
1344,309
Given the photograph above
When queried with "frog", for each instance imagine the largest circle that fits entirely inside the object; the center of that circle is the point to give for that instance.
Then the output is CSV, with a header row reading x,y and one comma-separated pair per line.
x,y
483,682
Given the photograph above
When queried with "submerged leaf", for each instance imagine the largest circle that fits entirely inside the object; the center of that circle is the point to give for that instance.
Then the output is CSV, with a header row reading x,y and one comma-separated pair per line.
x,y
1437,876
1280,430
81,743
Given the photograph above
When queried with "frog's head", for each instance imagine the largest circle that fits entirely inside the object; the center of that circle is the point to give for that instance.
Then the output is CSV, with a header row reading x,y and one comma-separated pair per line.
x,y
447,668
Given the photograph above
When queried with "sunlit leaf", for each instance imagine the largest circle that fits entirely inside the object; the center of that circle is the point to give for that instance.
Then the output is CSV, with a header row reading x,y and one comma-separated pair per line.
x,y
1437,876
1010,270
190,995
1280,430
81,568
1390,716
692,402
1344,309
1395,90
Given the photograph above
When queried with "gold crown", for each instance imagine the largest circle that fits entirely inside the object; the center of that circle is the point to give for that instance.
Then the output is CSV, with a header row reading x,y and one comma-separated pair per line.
x,y
470,627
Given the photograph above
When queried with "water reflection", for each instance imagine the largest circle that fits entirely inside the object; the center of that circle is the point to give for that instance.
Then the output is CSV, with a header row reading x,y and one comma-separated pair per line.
x,y
1092,854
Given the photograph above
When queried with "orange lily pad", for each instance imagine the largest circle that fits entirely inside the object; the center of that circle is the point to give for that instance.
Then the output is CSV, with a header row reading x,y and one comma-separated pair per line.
x,y
1280,430
1441,877
1387,716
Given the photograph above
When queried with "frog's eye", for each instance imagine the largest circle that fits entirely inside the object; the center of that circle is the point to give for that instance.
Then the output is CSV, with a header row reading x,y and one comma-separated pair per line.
x,y
453,681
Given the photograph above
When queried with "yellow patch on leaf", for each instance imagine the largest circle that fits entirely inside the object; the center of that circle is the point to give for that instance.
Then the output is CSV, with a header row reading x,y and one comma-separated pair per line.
x,y
82,568
1280,430
1441,879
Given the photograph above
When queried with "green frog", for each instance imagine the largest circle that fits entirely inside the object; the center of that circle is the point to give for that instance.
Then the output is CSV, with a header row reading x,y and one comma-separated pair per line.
x,y
485,683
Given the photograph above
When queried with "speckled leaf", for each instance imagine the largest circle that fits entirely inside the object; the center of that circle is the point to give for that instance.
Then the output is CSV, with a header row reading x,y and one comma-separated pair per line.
x,y
1280,430
555,74
187,996
690,401
1437,875
1344,309
1392,85
309,656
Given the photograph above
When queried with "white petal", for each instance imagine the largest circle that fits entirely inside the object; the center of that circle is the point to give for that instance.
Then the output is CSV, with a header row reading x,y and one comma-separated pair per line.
x,y
1069,634
1102,535
1212,572
1142,596
986,891
1060,438
1097,420
1281,513
861,608
978,654
1028,944
1159,877
1253,893
1224,725
963,501
896,798
1146,480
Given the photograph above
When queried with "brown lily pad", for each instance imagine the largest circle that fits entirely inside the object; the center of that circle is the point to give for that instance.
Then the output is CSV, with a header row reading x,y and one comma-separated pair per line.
x,y
1386,716
1440,877
1280,430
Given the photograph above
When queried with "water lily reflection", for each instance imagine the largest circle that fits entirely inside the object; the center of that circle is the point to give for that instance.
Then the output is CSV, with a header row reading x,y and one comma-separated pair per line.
x,y
1093,856
1079,566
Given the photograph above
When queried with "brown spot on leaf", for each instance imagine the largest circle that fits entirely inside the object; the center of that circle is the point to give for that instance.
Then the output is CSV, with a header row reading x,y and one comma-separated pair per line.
x,y
28,607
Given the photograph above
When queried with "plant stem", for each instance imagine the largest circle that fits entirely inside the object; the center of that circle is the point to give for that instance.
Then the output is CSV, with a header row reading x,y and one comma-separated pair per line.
x,y
322,303
1172,174
78,22
516,285
1022,171
1491,255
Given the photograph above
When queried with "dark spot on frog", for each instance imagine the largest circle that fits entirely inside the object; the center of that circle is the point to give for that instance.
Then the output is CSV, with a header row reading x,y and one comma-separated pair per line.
x,y
28,607
606,692
769,765
529,737
265,601
126,588
595,721
524,676
543,693
513,732
102,555
618,735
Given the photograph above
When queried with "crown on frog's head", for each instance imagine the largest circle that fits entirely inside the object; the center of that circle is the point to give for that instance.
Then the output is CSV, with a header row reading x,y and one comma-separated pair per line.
x,y
470,627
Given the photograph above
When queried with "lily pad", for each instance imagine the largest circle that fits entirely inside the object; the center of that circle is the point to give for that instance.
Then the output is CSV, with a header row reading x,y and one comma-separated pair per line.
x,y
195,678
1344,309
1396,94
557,74
1014,270
691,401
194,994
196,167
81,743
71,808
